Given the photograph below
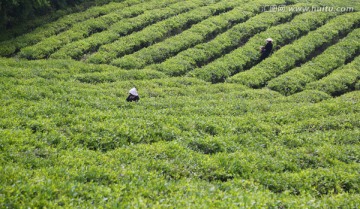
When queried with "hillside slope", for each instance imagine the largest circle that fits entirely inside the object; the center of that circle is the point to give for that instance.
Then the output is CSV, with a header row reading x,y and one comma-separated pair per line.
x,y
215,127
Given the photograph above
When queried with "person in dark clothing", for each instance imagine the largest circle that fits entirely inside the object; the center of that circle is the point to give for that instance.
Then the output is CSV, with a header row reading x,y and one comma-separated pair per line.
x,y
266,50
133,95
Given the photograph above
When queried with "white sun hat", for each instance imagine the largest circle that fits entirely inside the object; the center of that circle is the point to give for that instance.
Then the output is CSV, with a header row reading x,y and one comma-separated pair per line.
x,y
134,92
269,39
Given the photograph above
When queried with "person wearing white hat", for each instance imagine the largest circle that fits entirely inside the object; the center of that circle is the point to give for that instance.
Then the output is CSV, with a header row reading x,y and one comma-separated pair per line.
x,y
133,95
266,50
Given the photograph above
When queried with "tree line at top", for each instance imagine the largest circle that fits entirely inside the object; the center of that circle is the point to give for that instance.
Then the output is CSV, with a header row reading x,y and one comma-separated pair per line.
x,y
13,12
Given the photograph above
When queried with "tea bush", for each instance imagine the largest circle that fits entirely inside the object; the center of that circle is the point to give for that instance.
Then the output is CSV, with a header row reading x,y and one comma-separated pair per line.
x,y
335,56
69,139
287,57
238,60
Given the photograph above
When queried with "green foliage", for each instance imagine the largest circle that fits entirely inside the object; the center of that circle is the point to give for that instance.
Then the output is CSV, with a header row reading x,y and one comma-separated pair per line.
x,y
18,10
287,57
67,143
152,13
48,46
159,31
69,139
201,54
339,81
248,55
20,16
196,34
62,24
335,56
309,96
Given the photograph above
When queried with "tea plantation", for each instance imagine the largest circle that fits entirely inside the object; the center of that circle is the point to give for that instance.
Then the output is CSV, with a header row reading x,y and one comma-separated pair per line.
x,y
215,127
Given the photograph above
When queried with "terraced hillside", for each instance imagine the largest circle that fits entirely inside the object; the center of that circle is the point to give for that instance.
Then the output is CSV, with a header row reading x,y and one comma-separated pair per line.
x,y
215,127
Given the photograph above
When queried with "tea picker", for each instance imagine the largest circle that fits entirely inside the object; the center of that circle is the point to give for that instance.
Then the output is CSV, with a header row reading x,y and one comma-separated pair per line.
x,y
266,50
133,95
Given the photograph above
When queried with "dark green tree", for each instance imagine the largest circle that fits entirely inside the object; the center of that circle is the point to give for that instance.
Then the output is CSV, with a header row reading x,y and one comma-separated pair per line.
x,y
14,11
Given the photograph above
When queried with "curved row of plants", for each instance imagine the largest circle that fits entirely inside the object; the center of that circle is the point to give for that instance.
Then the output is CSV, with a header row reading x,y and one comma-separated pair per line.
x,y
84,29
198,33
67,70
102,124
80,48
299,51
30,24
202,54
12,46
272,135
81,144
339,81
248,55
99,126
68,138
158,31
101,179
334,57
